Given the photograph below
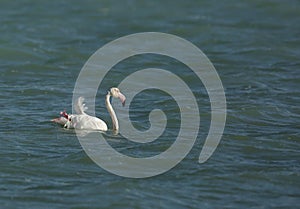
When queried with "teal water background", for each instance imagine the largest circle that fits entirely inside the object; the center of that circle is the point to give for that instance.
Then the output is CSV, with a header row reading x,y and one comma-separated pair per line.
x,y
255,47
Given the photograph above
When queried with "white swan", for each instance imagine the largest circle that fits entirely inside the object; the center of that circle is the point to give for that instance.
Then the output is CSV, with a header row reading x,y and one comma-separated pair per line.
x,y
83,121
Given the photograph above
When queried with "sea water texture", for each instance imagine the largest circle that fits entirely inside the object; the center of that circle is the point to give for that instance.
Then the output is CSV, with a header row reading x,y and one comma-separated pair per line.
x,y
255,48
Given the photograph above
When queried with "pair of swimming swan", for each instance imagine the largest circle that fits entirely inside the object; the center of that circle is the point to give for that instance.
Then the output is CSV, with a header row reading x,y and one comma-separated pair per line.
x,y
83,121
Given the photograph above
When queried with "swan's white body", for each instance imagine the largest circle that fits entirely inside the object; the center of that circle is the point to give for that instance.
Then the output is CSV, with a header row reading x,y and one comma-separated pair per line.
x,y
86,122
83,121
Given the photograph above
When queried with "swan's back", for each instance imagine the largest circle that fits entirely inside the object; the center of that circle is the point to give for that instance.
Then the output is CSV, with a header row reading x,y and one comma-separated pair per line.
x,y
87,122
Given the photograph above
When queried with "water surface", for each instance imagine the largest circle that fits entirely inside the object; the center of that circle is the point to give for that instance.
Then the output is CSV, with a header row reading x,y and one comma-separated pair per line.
x,y
254,46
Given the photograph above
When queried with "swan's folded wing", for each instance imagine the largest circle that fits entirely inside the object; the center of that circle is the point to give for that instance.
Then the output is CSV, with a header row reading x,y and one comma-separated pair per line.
x,y
80,106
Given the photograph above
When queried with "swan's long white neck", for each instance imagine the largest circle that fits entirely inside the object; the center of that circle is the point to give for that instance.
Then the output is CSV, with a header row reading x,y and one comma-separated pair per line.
x,y
112,113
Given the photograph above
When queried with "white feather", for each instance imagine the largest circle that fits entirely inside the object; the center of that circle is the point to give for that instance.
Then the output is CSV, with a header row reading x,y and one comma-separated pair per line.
x,y
80,107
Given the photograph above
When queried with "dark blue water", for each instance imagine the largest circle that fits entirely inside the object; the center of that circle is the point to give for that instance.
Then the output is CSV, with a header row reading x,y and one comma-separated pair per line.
x,y
254,46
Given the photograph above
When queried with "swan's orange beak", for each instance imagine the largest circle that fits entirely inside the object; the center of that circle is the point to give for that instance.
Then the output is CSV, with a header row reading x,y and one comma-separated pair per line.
x,y
61,120
122,98
55,120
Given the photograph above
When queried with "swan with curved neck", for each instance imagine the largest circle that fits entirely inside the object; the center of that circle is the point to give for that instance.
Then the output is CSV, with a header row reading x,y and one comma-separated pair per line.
x,y
81,120
114,92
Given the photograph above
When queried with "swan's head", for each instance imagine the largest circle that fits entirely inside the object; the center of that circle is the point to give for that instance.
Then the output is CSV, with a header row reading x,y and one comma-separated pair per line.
x,y
116,93
63,119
